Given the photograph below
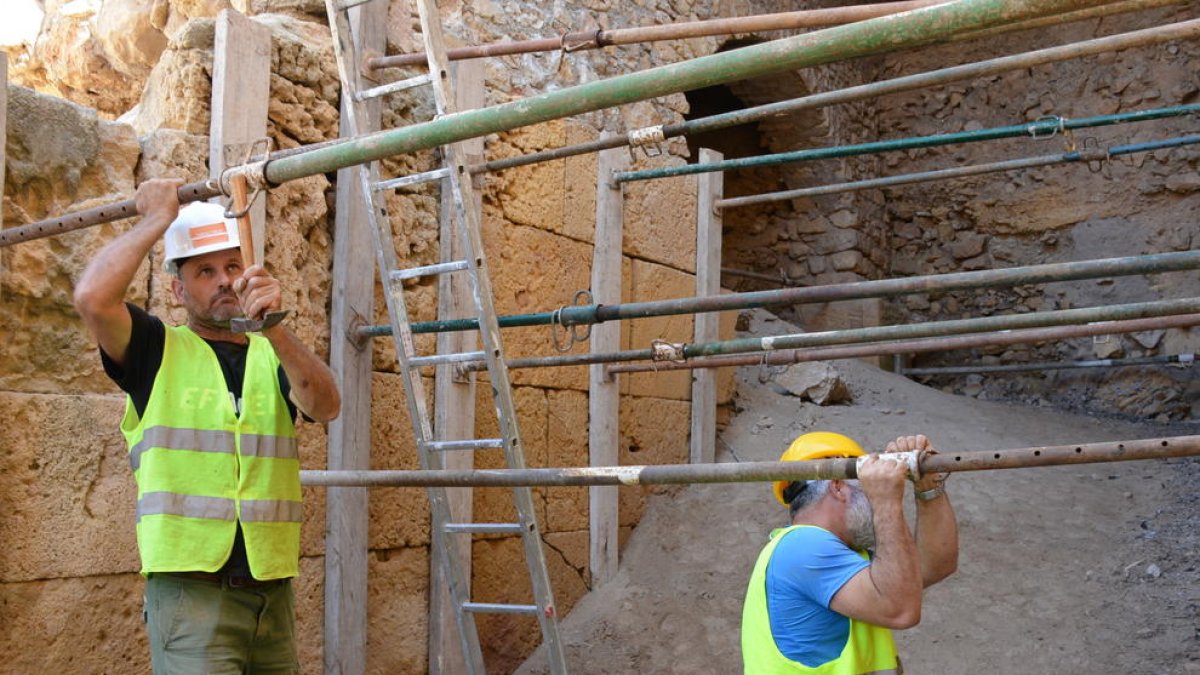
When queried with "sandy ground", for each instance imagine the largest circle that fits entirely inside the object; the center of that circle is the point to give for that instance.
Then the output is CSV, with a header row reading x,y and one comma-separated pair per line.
x,y
1087,569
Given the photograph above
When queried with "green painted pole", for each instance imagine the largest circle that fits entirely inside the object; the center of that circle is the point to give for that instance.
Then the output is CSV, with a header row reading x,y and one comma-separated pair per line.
x,y
1183,30
1037,129
905,30
986,324
1094,155
581,315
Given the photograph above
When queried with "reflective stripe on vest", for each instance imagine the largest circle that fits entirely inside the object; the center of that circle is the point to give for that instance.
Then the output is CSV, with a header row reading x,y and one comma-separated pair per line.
x,y
189,506
170,438
201,467
869,649
271,511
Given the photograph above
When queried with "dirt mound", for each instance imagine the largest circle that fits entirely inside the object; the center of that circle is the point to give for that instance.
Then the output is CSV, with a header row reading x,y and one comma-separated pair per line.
x,y
1083,569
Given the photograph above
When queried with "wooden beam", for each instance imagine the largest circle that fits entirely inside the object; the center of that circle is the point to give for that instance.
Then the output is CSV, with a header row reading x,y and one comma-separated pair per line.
x,y
241,91
454,400
349,436
604,395
707,324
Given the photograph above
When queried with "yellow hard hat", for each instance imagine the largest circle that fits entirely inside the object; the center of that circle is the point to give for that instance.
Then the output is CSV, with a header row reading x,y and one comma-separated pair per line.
x,y
816,445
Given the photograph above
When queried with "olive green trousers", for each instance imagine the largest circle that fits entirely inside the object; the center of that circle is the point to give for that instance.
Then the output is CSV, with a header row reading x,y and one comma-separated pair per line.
x,y
198,626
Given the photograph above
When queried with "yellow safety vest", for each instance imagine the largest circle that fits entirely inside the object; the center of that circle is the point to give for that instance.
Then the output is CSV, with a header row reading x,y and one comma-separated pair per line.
x,y
201,468
869,649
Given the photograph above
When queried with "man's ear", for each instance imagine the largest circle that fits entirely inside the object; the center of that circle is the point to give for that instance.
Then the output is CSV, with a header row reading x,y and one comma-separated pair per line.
x,y
839,489
177,289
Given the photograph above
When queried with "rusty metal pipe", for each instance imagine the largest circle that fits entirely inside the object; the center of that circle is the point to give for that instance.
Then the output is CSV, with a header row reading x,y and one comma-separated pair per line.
x,y
1023,336
749,472
779,279
583,40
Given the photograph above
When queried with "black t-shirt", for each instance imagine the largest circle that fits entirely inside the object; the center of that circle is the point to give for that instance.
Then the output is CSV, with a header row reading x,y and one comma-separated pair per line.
x,y
144,357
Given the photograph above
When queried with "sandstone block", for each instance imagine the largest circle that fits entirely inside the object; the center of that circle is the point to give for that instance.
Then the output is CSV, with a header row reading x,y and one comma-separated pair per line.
x,y
78,625
309,589
567,446
398,516
397,610
656,282
660,219
537,271
653,431
66,486
496,504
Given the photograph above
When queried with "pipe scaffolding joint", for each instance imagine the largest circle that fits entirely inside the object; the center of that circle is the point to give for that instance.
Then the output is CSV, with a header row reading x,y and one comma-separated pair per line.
x,y
911,459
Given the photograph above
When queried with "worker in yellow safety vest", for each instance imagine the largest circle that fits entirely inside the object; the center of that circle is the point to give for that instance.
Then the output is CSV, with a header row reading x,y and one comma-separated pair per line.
x,y
210,424
826,591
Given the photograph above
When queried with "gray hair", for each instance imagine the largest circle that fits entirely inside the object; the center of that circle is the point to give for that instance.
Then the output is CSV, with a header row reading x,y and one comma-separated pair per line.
x,y
809,493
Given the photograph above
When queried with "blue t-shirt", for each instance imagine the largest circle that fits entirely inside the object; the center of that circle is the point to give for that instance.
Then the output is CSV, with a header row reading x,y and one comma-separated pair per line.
x,y
807,568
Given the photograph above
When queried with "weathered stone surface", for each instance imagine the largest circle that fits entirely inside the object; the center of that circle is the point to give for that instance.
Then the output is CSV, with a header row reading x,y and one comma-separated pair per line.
x,y
537,271
66,60
130,33
309,589
178,93
496,505
397,611
66,487
818,382
399,517
60,157
75,625
660,220
567,446
311,8
653,431
656,282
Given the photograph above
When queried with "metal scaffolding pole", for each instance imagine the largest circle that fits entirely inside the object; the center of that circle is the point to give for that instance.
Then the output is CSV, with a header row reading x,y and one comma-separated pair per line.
x,y
581,315
1177,31
780,279
1039,129
810,18
874,36
597,39
680,352
1096,155
208,189
750,472
1008,337
1185,359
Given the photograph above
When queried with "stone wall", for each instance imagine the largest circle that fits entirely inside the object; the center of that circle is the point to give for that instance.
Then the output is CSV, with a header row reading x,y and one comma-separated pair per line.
x,y
69,574
1142,203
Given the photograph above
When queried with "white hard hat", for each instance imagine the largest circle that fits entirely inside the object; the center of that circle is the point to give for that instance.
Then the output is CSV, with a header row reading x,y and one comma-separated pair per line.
x,y
200,228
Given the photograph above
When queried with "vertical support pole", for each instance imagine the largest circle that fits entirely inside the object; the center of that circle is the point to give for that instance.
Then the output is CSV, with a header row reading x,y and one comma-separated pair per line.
x,y
349,436
604,395
3,146
454,398
709,189
241,89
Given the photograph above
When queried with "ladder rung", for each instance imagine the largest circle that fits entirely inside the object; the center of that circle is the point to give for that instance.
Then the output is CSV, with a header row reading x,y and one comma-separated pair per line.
x,y
343,6
496,608
393,87
439,359
429,270
484,528
446,446
392,183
